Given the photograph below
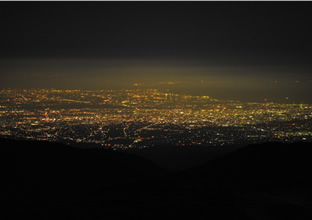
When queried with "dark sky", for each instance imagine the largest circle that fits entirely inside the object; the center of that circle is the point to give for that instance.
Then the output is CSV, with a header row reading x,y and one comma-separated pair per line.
x,y
230,47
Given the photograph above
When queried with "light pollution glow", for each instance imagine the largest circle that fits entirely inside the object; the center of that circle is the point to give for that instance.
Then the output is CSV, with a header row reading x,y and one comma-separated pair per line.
x,y
252,83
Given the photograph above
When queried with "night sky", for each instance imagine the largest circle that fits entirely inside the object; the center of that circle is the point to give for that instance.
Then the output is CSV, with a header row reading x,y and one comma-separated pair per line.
x,y
234,50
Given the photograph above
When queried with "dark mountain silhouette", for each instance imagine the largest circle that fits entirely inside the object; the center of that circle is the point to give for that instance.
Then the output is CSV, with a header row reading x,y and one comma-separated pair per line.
x,y
271,161
43,180
264,181
177,158
43,171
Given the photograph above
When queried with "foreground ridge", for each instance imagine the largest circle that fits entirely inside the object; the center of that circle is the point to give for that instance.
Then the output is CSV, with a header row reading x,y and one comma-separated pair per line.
x,y
58,181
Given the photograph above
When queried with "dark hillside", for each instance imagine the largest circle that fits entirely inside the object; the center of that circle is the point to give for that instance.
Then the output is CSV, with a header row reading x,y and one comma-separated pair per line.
x,y
177,158
54,181
51,171
263,181
274,162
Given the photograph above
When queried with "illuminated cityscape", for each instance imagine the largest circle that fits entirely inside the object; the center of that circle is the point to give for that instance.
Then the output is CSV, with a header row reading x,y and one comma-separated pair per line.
x,y
150,110
140,118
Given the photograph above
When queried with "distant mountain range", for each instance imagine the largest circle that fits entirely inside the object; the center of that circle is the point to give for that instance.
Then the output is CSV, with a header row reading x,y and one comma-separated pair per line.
x,y
44,180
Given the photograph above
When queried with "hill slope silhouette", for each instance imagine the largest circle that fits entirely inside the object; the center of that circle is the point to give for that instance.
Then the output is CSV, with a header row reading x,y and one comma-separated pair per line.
x,y
45,180
36,171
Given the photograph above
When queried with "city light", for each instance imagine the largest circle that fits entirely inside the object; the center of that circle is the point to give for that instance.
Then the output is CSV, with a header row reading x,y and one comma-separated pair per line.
x,y
139,118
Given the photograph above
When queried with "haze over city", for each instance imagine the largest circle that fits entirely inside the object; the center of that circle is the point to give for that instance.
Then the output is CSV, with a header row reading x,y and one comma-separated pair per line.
x,y
242,51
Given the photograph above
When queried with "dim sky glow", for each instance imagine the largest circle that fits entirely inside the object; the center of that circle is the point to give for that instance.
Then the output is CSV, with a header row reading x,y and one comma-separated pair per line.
x,y
220,49
228,81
